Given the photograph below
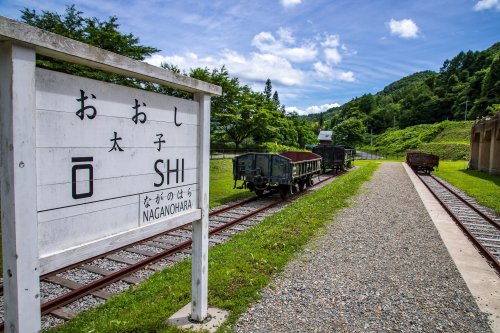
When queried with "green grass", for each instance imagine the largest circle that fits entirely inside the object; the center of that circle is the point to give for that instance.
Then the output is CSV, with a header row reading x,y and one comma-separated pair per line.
x,y
454,132
238,269
450,151
480,185
222,183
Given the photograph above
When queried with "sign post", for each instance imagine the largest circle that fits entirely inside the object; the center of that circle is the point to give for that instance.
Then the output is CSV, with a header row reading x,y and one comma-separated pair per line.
x,y
90,166
18,179
199,279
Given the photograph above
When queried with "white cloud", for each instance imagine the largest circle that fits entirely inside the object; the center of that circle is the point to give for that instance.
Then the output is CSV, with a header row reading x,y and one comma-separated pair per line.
x,y
331,41
286,35
332,56
487,4
405,28
326,72
290,3
348,51
312,109
275,57
265,42
255,67
262,66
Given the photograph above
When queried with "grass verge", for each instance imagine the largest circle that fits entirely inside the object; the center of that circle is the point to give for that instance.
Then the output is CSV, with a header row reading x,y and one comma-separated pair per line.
x,y
222,183
479,185
238,269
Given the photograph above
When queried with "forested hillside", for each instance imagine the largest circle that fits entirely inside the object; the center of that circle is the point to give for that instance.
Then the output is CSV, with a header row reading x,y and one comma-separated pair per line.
x,y
468,82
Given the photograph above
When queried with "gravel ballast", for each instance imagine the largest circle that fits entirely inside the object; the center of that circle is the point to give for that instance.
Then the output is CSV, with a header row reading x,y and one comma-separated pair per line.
x,y
380,267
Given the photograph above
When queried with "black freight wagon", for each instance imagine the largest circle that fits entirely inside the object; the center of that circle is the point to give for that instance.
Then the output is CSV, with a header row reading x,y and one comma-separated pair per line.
x,y
335,157
419,161
286,172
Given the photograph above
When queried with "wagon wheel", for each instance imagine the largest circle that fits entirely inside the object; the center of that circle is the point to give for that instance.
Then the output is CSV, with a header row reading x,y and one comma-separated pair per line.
x,y
284,191
302,185
310,182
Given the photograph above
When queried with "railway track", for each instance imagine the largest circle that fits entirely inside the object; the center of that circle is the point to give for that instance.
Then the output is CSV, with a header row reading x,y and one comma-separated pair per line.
x,y
480,226
76,288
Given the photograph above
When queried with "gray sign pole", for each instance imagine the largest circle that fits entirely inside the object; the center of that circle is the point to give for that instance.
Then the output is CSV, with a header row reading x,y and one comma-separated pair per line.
x,y
199,282
17,181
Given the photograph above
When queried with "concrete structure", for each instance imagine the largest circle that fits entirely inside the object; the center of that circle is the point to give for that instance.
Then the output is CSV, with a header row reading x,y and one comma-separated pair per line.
x,y
480,277
325,137
485,145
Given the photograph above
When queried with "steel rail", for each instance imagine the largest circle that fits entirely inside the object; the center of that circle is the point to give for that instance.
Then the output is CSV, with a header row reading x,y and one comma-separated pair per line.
x,y
489,256
484,216
86,289
78,264
113,277
237,204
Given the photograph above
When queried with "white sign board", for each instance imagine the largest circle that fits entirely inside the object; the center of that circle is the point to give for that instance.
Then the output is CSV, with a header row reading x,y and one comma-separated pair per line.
x,y
88,166
111,160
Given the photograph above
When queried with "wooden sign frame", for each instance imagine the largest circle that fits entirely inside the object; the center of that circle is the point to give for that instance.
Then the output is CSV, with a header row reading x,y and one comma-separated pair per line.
x,y
23,265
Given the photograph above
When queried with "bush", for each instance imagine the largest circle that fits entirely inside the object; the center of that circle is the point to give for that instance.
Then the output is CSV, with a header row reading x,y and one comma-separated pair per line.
x,y
447,151
276,148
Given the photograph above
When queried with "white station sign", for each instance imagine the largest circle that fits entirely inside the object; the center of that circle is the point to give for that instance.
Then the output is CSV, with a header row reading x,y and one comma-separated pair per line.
x,y
110,159
90,166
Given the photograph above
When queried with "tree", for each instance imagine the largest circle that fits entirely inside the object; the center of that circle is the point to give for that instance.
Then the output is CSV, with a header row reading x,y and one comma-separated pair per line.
x,y
102,34
268,89
366,103
491,83
276,100
234,111
305,133
349,132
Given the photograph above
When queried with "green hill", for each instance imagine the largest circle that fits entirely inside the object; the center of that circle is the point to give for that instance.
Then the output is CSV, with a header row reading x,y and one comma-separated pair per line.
x,y
448,139
467,86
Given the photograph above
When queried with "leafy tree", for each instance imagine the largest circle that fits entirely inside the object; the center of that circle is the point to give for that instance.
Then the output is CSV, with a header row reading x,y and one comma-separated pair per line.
x,y
491,83
349,132
102,34
276,99
234,111
366,103
268,89
168,90
305,133
283,109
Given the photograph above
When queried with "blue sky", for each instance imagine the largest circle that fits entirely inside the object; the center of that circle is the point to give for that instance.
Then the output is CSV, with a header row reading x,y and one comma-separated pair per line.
x,y
317,53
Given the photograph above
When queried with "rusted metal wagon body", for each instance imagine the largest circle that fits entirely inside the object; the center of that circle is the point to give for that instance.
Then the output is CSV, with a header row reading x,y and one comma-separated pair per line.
x,y
286,172
335,157
419,161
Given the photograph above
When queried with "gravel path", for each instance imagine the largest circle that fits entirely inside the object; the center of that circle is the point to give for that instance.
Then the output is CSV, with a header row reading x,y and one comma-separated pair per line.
x,y
381,267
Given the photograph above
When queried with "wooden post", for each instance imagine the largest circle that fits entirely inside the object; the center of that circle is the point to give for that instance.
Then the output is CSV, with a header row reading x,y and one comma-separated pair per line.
x,y
17,183
199,283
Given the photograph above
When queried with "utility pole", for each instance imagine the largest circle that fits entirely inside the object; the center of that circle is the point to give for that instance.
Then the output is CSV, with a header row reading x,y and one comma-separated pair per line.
x,y
466,103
